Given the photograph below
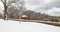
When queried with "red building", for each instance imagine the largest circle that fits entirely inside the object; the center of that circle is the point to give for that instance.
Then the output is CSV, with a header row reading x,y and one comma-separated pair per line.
x,y
24,17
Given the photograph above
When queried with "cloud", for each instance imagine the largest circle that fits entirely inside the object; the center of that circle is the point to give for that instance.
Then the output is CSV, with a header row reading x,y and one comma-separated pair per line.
x,y
29,7
44,6
54,11
53,3
33,3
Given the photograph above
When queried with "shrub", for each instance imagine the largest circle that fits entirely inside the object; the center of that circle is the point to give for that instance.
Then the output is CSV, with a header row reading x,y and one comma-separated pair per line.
x,y
55,20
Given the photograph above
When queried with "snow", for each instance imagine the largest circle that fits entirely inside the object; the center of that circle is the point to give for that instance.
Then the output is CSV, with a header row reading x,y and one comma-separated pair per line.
x,y
15,26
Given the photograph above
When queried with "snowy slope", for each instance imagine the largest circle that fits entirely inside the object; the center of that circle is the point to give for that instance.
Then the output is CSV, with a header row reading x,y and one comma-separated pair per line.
x,y
15,26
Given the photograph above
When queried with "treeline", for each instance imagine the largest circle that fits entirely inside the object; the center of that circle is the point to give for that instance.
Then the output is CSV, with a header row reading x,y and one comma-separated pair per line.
x,y
38,16
15,14
34,15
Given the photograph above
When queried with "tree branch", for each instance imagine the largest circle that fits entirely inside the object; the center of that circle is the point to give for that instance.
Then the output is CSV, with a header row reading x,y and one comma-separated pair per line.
x,y
10,2
3,2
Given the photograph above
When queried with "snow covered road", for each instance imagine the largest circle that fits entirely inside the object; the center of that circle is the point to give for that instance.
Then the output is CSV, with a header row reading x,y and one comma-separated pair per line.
x,y
15,26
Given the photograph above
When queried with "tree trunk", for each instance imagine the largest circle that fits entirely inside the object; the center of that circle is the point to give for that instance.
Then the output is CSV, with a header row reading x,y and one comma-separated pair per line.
x,y
5,12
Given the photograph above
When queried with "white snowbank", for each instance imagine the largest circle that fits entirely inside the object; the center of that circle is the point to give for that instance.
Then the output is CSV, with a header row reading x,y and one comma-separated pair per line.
x,y
15,26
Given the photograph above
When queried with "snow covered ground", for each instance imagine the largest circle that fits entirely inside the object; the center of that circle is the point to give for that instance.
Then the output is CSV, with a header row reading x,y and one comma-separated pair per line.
x,y
15,26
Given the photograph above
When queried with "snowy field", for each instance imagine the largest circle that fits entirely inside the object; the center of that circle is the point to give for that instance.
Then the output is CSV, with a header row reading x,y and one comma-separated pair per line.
x,y
15,26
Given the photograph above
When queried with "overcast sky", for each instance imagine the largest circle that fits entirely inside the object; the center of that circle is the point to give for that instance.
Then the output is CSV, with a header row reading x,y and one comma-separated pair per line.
x,y
43,6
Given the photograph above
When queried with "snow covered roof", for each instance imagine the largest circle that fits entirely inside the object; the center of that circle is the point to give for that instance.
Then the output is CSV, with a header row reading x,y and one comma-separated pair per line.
x,y
24,16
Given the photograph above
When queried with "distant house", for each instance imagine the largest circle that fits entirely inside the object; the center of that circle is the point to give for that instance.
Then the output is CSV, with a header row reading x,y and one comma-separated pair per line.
x,y
24,17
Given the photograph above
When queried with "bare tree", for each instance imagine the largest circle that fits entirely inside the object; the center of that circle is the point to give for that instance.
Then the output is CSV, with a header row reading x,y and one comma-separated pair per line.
x,y
16,10
29,13
1,17
6,4
13,13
